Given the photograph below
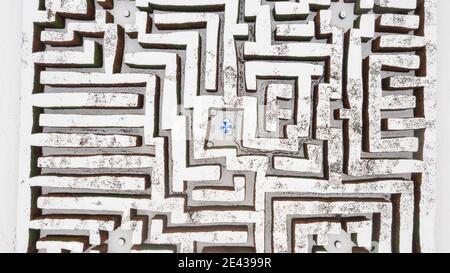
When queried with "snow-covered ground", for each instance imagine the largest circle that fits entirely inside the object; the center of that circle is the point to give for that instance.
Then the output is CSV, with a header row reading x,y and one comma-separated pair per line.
x,y
10,49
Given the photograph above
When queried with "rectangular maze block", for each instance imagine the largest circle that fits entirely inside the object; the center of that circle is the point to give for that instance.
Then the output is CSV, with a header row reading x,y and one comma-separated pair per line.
x,y
232,125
